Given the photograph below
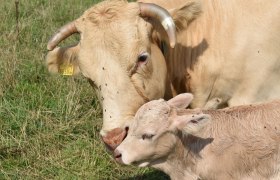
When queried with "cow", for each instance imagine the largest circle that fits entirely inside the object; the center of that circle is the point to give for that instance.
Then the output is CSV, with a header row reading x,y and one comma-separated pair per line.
x,y
241,142
136,52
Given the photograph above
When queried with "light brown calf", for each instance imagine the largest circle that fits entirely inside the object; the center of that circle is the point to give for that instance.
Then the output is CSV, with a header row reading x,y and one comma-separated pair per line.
x,y
234,143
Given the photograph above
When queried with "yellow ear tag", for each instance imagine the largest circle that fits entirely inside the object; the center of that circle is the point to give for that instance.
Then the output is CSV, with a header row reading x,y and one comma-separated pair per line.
x,y
66,69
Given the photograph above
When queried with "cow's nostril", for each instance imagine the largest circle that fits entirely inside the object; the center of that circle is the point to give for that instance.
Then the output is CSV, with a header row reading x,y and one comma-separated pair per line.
x,y
126,131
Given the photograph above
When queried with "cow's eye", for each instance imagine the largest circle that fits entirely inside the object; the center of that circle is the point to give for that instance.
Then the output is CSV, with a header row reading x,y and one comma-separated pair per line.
x,y
147,136
142,58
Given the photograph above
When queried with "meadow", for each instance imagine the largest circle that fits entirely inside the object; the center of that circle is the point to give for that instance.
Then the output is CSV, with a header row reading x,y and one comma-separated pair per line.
x,y
49,124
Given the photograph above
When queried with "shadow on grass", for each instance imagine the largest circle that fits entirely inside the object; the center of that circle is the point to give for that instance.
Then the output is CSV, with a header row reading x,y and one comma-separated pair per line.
x,y
155,175
13,151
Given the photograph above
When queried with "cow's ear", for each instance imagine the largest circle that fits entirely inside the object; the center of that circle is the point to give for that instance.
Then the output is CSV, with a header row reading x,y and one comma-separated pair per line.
x,y
63,60
191,123
181,100
186,14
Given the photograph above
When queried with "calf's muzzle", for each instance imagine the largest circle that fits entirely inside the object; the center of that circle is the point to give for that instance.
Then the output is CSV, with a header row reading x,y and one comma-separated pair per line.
x,y
118,156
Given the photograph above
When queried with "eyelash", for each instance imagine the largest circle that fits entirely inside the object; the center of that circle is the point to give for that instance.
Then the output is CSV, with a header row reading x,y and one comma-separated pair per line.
x,y
147,136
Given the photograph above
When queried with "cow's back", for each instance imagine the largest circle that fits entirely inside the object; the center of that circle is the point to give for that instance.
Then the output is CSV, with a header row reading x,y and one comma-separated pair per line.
x,y
230,52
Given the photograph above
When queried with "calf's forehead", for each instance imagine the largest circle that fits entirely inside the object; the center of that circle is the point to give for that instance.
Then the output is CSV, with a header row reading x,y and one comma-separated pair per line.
x,y
153,114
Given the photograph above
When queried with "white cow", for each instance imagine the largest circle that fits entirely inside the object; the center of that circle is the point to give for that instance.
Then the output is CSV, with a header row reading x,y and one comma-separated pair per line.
x,y
225,49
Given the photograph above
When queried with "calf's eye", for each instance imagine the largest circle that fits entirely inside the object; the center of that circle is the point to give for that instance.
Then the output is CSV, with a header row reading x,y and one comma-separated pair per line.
x,y
147,136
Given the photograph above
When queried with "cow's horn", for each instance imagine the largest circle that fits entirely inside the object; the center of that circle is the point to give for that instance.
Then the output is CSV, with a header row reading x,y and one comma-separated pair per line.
x,y
64,32
162,15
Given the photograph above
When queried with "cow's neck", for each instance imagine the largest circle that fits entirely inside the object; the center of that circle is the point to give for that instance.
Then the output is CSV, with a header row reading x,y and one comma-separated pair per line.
x,y
195,45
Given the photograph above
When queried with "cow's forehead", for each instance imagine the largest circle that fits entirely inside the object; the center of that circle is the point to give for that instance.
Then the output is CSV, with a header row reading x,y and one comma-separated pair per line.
x,y
110,10
117,16
113,30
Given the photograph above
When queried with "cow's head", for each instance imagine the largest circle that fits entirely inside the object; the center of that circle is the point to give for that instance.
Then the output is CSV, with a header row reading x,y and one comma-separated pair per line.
x,y
119,52
153,133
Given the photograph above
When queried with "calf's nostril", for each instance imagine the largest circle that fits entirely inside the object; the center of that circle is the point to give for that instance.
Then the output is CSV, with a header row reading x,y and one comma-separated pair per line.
x,y
117,154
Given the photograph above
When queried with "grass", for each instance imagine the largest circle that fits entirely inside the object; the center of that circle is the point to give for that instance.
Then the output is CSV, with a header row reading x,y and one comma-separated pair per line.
x,y
49,124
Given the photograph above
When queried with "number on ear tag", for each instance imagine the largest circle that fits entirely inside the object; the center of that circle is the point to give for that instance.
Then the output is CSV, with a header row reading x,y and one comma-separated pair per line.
x,y
66,69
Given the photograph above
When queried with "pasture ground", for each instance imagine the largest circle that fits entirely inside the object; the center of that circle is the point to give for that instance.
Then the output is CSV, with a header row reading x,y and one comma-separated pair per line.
x,y
49,124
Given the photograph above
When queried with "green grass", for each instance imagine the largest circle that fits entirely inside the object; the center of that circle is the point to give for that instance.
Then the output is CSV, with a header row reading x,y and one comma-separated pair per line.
x,y
49,124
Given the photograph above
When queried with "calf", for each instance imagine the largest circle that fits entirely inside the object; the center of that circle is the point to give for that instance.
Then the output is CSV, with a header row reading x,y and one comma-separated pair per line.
x,y
233,143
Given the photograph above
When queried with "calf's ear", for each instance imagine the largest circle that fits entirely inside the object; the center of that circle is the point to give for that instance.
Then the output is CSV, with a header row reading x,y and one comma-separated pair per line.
x,y
191,124
186,14
63,60
181,100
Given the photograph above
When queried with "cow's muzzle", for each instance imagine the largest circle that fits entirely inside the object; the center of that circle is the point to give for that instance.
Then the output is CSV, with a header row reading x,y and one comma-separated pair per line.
x,y
114,138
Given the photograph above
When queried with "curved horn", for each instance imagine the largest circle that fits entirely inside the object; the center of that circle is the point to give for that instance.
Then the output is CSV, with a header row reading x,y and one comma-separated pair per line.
x,y
64,32
162,15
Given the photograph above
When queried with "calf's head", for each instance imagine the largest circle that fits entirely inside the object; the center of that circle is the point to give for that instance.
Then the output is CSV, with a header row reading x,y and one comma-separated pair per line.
x,y
119,52
153,133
